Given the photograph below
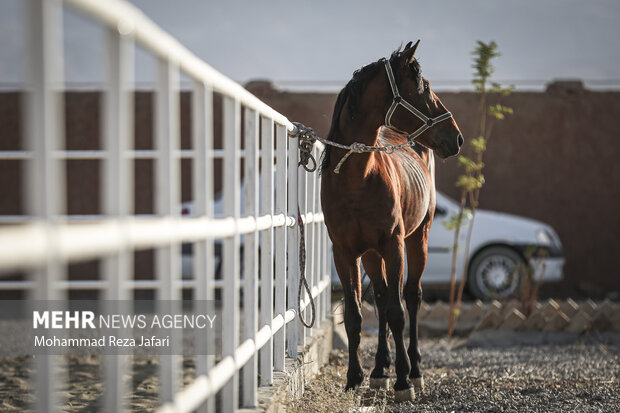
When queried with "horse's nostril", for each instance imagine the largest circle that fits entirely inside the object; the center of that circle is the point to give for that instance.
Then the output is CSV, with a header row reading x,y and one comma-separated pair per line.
x,y
460,140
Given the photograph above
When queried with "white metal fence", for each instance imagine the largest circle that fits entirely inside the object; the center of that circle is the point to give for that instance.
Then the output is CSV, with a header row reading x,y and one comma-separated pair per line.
x,y
46,239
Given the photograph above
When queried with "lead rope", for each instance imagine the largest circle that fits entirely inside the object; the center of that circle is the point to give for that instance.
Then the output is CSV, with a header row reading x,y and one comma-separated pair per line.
x,y
307,137
302,273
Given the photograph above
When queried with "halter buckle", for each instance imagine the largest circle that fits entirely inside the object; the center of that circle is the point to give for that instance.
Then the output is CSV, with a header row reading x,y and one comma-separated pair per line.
x,y
429,122
397,98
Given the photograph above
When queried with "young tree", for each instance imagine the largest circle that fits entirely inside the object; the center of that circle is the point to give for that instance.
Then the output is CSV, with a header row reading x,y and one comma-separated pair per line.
x,y
472,180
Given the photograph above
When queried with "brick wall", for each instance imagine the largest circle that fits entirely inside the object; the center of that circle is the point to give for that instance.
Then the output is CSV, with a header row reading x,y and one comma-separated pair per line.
x,y
555,160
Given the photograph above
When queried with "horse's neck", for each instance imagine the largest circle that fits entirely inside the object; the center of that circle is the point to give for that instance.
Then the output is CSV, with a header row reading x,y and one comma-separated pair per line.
x,y
386,135
355,167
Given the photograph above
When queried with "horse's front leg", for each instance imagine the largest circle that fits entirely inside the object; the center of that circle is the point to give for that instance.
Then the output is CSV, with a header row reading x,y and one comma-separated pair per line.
x,y
394,255
416,260
347,266
373,263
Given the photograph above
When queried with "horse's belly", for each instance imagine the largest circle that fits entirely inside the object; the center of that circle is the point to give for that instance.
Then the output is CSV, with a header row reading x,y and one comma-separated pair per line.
x,y
417,194
413,221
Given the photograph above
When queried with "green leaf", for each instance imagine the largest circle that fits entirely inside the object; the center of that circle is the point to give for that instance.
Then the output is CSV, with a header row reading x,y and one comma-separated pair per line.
x,y
469,183
479,144
507,90
456,220
469,165
495,87
483,69
499,111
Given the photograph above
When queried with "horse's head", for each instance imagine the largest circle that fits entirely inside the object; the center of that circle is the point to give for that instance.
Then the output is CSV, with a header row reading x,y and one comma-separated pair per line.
x,y
412,107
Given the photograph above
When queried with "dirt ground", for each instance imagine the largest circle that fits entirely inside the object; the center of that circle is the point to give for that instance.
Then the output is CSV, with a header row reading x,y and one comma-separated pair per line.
x,y
578,377
83,384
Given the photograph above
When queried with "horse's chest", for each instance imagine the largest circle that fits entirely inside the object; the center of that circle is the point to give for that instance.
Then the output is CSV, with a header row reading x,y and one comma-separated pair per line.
x,y
360,213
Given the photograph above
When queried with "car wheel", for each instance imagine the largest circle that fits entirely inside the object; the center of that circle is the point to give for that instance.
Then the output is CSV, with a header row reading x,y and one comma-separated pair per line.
x,y
494,274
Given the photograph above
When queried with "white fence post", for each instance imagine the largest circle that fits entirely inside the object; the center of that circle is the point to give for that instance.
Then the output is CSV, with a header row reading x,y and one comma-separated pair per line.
x,y
310,253
230,264
266,245
317,242
302,195
293,248
250,250
281,246
118,185
325,266
167,267
322,268
204,254
45,194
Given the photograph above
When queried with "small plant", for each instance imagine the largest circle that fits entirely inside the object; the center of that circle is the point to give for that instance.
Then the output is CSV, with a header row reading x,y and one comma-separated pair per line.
x,y
472,180
534,263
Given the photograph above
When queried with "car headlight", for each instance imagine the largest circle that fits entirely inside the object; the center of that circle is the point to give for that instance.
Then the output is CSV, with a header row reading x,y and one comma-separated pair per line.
x,y
544,238
548,238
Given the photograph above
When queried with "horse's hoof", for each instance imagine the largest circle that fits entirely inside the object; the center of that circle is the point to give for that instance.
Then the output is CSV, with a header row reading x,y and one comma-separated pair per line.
x,y
354,380
351,387
379,382
418,385
405,395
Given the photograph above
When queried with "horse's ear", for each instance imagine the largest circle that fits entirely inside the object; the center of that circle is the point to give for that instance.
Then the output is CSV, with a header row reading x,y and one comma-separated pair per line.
x,y
415,46
409,52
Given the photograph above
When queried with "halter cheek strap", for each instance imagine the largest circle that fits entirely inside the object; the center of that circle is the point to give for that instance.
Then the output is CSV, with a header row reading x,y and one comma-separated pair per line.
x,y
399,101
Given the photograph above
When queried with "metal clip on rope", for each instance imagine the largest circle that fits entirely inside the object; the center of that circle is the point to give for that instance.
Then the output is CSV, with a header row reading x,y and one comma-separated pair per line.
x,y
307,137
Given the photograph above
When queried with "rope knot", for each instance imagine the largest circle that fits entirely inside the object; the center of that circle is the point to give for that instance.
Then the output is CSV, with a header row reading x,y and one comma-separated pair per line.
x,y
357,147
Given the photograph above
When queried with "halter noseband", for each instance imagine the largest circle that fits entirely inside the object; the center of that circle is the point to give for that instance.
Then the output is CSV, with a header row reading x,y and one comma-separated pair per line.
x,y
398,100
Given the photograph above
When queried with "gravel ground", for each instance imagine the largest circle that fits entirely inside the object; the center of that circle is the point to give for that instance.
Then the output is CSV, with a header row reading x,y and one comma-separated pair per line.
x,y
569,378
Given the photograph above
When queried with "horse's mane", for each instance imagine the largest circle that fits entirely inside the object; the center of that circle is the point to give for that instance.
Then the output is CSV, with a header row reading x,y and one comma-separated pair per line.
x,y
351,95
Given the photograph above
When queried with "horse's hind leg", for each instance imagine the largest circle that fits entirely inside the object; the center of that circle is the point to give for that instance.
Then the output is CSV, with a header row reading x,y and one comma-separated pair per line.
x,y
348,270
416,260
373,263
393,253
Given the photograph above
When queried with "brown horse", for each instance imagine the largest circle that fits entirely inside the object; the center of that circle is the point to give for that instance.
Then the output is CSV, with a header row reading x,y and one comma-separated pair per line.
x,y
378,203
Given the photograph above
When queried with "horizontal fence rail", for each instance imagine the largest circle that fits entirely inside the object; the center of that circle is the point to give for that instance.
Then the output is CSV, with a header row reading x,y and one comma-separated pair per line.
x,y
246,253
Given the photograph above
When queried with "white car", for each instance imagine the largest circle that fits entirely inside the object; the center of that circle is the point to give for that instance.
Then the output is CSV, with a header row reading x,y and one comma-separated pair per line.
x,y
498,245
